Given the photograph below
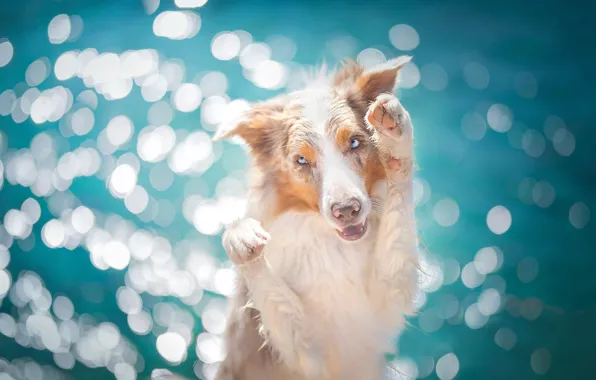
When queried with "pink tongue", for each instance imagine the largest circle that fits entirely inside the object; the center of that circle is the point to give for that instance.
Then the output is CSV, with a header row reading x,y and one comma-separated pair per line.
x,y
352,230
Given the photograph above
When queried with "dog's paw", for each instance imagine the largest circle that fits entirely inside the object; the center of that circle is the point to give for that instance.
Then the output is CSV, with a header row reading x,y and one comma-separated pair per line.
x,y
392,133
388,117
244,240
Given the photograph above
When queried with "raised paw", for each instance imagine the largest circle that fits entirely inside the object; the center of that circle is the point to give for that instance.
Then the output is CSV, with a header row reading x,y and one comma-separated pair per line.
x,y
388,117
244,240
392,133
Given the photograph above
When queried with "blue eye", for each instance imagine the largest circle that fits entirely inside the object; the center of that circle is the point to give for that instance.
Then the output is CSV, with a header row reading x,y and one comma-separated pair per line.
x,y
301,160
355,143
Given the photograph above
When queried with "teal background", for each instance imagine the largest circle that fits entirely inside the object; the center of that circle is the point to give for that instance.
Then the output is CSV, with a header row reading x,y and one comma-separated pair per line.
x,y
551,40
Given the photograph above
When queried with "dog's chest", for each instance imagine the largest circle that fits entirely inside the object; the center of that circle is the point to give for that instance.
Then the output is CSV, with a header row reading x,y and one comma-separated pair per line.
x,y
309,256
329,275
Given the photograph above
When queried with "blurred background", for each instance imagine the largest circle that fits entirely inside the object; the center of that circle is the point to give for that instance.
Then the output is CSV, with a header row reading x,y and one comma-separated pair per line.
x,y
112,195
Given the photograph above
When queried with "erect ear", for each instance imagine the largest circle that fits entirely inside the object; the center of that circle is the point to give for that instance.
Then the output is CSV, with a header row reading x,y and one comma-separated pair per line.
x,y
258,126
241,126
372,82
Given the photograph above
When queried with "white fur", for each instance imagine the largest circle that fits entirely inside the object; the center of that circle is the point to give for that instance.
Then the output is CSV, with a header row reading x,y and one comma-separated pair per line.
x,y
328,277
243,239
316,104
340,184
329,308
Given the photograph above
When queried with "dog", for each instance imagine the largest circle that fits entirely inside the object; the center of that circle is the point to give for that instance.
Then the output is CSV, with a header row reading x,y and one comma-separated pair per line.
x,y
327,251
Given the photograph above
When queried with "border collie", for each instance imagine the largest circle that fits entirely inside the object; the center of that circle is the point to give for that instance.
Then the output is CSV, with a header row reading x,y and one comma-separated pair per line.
x,y
327,253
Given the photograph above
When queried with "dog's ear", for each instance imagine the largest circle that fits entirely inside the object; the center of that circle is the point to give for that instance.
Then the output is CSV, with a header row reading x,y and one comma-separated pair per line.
x,y
259,127
241,126
372,82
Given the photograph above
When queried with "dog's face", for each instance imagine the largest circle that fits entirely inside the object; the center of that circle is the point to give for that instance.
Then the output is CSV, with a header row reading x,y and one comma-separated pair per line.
x,y
330,154
314,147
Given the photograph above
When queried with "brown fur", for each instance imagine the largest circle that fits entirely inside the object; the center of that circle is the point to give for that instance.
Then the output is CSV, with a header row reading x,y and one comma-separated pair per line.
x,y
375,171
294,195
343,137
277,136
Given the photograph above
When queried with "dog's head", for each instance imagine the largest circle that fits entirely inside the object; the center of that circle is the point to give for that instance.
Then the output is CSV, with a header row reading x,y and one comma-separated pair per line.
x,y
314,147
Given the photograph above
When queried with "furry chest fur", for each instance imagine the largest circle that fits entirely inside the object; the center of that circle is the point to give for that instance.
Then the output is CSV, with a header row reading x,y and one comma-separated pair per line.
x,y
329,276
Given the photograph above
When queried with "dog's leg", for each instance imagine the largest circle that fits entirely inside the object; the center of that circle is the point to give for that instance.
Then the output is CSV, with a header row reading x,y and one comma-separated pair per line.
x,y
281,311
392,282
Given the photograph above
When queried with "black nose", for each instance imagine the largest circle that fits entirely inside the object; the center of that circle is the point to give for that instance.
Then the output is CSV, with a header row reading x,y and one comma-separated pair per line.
x,y
345,212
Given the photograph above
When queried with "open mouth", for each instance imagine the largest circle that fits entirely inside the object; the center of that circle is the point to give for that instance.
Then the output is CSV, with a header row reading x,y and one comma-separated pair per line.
x,y
354,232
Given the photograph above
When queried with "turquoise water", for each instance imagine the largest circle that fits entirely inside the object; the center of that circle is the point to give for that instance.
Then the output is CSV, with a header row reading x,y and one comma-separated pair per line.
x,y
501,96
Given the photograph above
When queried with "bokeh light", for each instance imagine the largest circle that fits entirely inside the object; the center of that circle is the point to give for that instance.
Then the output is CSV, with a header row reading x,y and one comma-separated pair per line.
x,y
404,37
113,194
6,52
177,25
